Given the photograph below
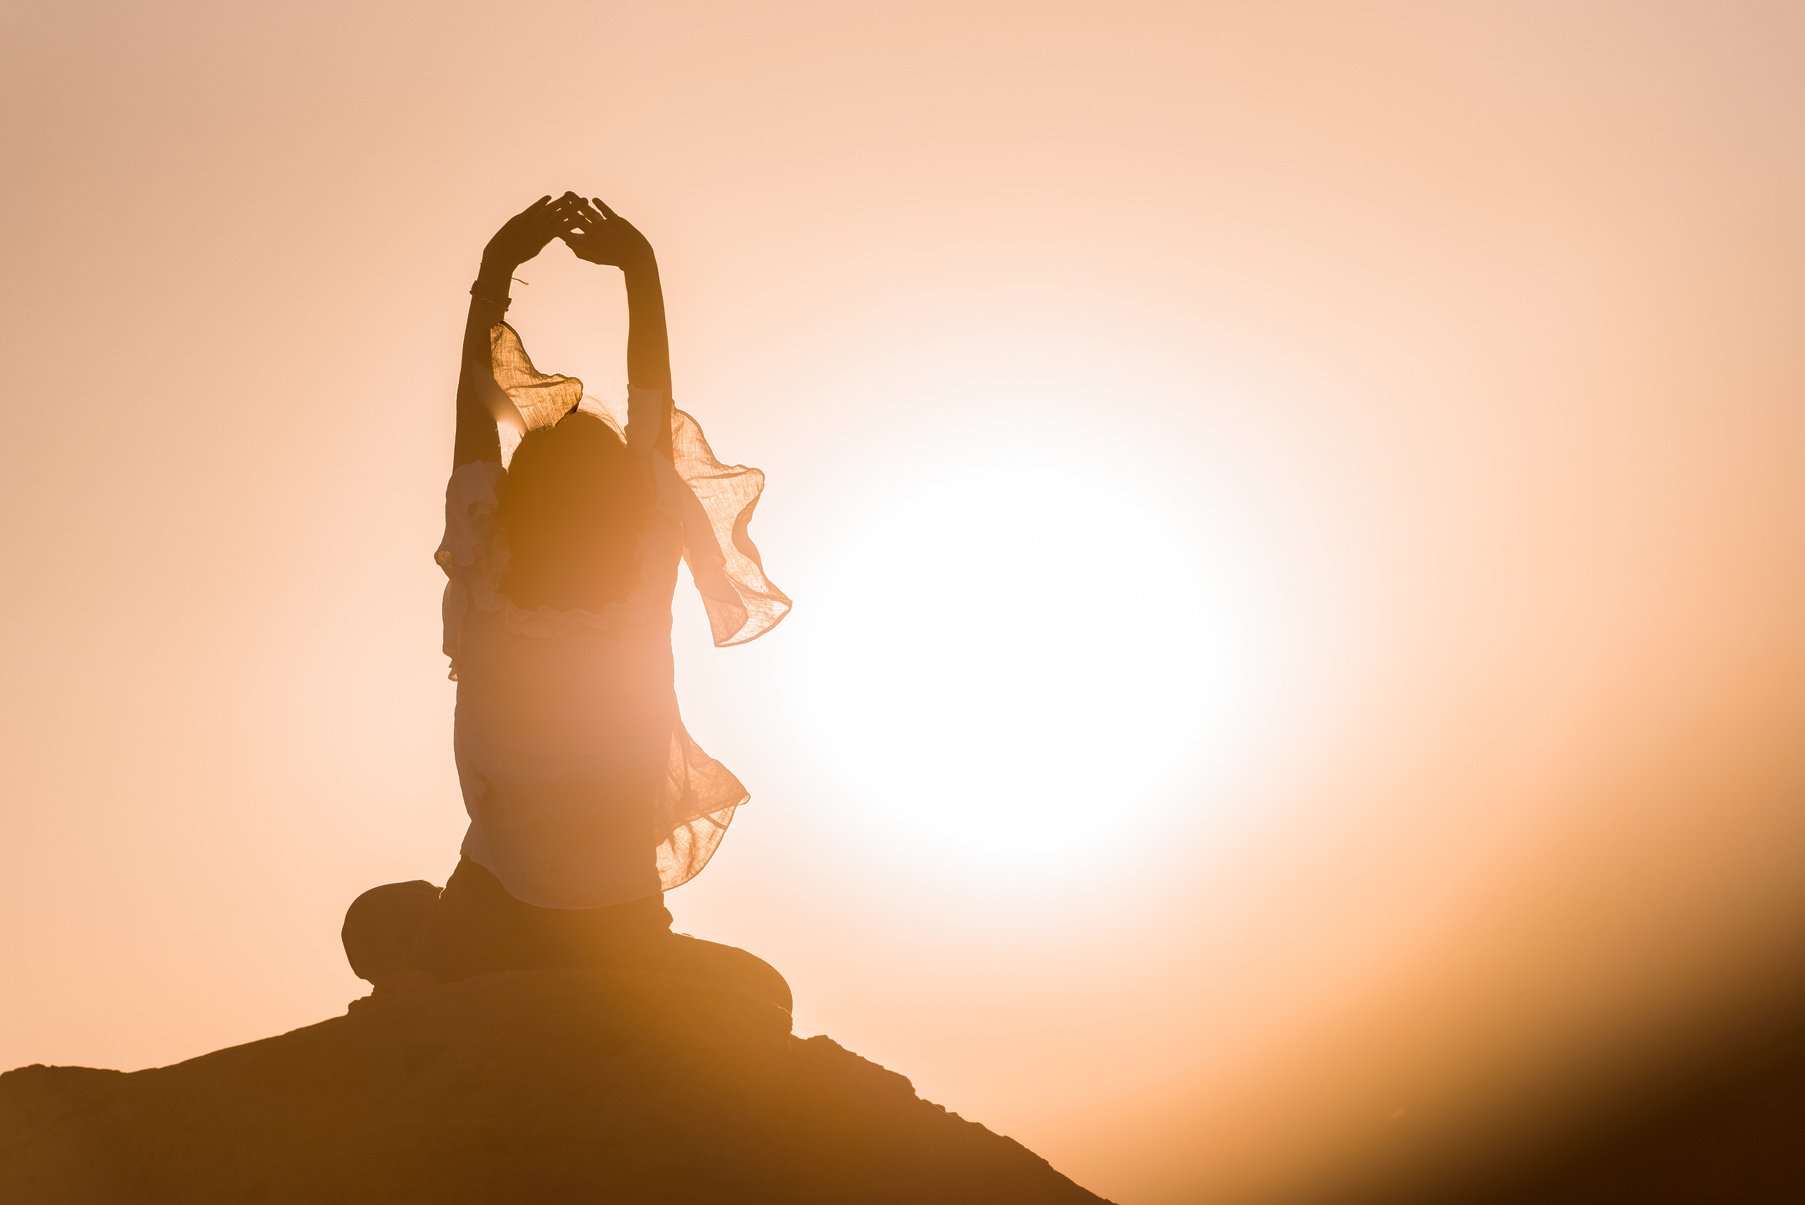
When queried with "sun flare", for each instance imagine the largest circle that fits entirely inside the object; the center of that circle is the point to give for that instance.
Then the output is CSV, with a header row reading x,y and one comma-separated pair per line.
x,y
1064,655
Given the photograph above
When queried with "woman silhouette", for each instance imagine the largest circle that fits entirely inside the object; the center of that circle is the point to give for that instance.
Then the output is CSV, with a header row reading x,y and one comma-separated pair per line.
x,y
587,797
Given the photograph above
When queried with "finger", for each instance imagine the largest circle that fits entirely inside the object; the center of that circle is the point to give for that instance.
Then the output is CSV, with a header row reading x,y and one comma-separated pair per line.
x,y
590,216
581,213
606,212
580,210
557,216
572,222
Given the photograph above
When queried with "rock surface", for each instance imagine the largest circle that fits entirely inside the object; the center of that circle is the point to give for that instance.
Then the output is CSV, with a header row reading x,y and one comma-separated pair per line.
x,y
535,1086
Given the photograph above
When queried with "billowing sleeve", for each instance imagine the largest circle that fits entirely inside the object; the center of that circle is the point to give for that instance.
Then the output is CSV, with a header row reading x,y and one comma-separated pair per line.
x,y
542,398
714,504
469,554
712,501
742,602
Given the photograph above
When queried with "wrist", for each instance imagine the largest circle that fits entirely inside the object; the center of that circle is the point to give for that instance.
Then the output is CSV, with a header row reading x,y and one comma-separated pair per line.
x,y
495,276
638,270
490,290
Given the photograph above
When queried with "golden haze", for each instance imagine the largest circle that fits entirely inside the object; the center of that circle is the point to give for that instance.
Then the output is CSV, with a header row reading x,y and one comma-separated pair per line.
x,y
1333,651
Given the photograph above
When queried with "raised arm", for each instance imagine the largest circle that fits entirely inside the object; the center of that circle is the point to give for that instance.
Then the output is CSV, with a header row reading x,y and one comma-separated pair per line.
x,y
481,402
604,237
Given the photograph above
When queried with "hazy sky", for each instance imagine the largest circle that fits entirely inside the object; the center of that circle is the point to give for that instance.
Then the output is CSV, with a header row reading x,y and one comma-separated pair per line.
x,y
1294,513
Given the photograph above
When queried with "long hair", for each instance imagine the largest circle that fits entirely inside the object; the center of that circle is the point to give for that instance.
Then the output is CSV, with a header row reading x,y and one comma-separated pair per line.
x,y
572,506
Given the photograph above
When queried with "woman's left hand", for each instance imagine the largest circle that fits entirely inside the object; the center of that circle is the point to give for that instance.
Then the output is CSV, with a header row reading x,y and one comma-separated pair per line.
x,y
604,237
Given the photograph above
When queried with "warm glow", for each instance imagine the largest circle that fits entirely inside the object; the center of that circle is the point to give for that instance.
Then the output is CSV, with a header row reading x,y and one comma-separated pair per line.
x,y
1060,650
1295,518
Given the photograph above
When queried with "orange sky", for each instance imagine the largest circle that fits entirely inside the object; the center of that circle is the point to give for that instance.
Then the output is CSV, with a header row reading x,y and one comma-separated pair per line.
x,y
1294,513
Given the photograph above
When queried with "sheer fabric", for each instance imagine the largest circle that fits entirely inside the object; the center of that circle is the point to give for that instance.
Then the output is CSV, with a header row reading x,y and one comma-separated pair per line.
x,y
712,501
584,788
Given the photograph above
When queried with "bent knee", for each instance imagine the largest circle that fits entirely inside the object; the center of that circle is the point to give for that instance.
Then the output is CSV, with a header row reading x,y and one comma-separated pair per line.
x,y
380,926
695,958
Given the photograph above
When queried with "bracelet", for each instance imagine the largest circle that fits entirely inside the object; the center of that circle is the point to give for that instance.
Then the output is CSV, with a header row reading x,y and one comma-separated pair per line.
x,y
502,304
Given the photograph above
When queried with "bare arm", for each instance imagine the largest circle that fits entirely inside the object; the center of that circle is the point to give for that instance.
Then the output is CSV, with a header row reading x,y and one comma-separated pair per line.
x,y
479,397
481,403
604,237
648,340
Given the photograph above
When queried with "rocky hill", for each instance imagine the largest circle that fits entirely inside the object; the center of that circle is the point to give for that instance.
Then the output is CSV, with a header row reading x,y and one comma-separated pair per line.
x,y
535,1086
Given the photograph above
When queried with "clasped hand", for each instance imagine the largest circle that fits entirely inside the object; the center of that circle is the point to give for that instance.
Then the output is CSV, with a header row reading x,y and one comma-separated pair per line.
x,y
587,226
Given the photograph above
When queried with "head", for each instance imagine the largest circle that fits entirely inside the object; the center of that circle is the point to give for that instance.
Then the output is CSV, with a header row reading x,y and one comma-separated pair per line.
x,y
572,506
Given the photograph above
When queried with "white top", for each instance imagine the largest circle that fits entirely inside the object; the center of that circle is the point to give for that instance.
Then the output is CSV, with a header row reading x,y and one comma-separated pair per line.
x,y
583,787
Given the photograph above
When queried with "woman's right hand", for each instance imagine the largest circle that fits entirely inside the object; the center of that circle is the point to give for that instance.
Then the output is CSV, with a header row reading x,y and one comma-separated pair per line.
x,y
526,233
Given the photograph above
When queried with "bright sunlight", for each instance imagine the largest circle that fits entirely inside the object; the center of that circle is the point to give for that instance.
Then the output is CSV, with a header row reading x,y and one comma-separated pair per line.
x,y
1063,651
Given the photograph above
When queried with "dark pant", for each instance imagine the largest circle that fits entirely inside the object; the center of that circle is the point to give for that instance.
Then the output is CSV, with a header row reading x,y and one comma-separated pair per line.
x,y
474,926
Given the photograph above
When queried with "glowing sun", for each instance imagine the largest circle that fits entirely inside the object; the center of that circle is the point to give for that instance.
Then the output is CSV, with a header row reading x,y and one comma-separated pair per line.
x,y
1017,662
